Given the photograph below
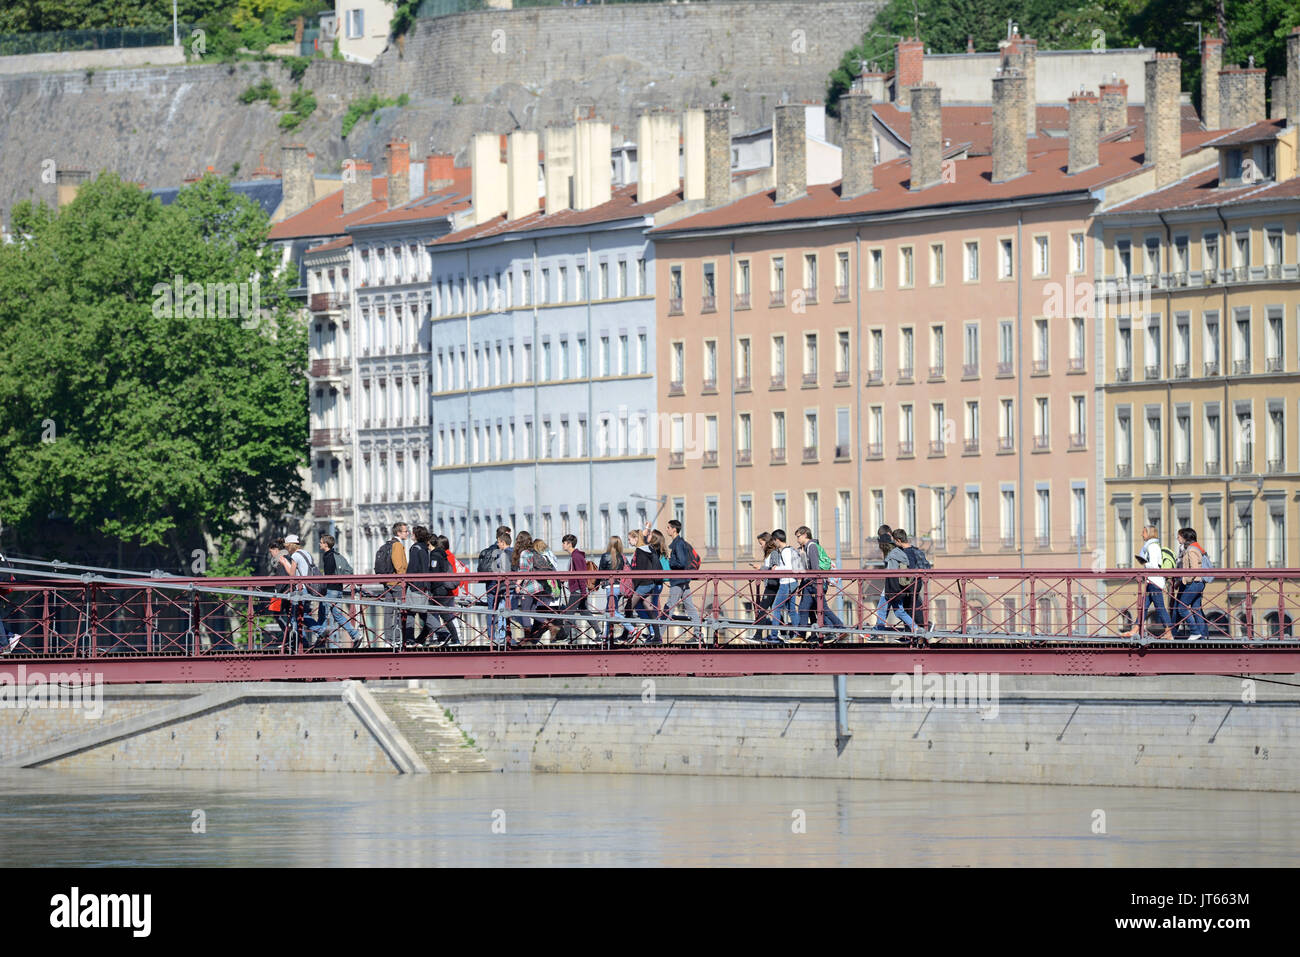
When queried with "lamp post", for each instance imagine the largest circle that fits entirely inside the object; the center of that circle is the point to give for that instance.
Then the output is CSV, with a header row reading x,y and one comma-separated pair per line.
x,y
662,500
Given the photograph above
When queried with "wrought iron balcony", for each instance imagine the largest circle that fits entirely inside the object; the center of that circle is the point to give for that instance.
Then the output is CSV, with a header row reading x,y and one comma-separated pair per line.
x,y
875,375
327,301
1123,374
1152,372
905,372
1242,467
1078,440
810,453
677,387
675,305
904,450
1040,367
709,304
810,378
742,383
1041,443
841,452
972,446
1211,466
709,385
742,300
1211,368
1182,468
1240,366
778,455
1275,466
744,456
1153,469
1076,364
1124,471
937,447
778,297
936,372
875,450
970,370
325,507
324,438
778,381
711,459
841,293
1273,364
1006,443
1005,369
676,460
841,377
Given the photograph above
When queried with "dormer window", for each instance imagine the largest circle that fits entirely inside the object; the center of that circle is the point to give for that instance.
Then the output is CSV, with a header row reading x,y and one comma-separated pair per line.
x,y
1246,164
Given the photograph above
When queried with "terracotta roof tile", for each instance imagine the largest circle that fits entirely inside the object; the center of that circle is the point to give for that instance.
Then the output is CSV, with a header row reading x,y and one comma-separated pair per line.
x,y
1254,133
1201,189
325,216
972,184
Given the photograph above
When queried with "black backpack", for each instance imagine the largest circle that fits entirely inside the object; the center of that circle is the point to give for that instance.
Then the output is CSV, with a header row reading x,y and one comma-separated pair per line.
x,y
384,559
487,559
916,558
543,564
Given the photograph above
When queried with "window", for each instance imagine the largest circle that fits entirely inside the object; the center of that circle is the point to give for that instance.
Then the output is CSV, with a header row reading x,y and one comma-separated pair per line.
x,y
1078,253
810,358
526,287
745,529
563,283
811,506
842,442
1181,263
1276,436
710,365
778,432
906,269
605,358
674,289
972,425
1078,344
1123,259
907,510
678,364
1273,246
564,359
972,518
778,362
710,302
778,510
1043,518
938,428
1213,439
1244,439
1241,341
1123,350
710,440
544,374
1007,426
875,431
624,356
842,275
1078,421
843,356
970,352
906,354
876,276
1006,259
1210,343
602,281
1151,264
642,353
1041,351
844,516
1006,347
744,436
1153,441
1241,249
742,284
1152,357
905,431
1274,344
1008,518
810,276
1123,442
778,280
936,352
877,507
1210,252
810,436
876,358
622,290
972,261
1042,260
1042,423
936,264
581,275
744,363
356,21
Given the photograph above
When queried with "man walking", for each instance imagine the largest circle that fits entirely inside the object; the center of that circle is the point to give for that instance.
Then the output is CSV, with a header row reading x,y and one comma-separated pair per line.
x,y
894,594
391,560
333,562
681,557
496,558
577,587
813,592
1152,556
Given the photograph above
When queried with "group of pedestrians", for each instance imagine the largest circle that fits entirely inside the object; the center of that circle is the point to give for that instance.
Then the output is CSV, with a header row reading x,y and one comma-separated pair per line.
x,y
301,629
1184,591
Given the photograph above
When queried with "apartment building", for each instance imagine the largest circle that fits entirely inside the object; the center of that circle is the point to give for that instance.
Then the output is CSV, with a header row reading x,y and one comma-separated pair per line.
x,y
543,339
1201,388
904,347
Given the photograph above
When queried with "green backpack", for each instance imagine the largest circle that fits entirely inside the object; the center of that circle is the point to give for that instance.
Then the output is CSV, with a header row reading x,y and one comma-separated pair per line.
x,y
1167,558
823,560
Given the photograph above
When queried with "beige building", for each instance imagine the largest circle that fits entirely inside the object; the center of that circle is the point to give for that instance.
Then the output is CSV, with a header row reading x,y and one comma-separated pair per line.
x,y
1200,386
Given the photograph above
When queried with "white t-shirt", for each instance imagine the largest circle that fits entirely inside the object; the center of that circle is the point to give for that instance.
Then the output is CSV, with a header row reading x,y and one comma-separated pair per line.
x,y
301,562
1151,555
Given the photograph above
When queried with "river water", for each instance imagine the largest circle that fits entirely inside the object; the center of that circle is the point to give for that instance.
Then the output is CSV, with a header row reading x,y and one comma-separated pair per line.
x,y
143,818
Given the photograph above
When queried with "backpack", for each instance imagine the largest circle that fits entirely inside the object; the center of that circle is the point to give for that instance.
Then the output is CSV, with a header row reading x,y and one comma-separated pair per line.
x,y
1167,558
799,562
592,583
823,560
916,558
312,571
693,560
341,565
663,562
487,558
543,564
1206,562
384,559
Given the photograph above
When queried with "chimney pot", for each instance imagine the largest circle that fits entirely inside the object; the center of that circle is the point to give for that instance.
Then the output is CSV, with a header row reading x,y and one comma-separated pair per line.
x,y
358,184
297,189
857,140
657,151
1241,96
1085,131
909,68
399,173
592,171
488,176
1114,106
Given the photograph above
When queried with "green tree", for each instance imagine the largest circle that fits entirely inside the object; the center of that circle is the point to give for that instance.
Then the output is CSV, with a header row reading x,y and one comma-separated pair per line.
x,y
134,417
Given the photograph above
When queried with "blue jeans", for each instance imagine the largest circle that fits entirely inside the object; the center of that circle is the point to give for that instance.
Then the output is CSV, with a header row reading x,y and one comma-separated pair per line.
x,y
808,601
1155,596
332,612
896,605
647,605
784,606
1188,607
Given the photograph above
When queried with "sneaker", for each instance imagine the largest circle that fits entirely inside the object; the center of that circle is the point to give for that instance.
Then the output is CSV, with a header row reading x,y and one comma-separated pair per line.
x,y
13,643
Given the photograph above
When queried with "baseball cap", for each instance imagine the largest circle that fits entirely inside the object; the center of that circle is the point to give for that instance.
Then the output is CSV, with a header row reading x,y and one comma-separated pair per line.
x,y
292,540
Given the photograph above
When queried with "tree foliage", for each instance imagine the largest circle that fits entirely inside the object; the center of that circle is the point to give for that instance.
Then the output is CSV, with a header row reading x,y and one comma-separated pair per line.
x,y
1254,27
135,421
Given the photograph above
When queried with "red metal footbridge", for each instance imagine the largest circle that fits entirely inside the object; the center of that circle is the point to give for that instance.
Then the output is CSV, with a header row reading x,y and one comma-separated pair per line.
x,y
129,627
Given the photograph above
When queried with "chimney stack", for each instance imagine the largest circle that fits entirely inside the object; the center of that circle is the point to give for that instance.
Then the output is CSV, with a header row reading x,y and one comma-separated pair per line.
x,y
357,184
1211,64
1010,149
521,174
657,147
67,183
909,68
488,177
1021,53
1085,131
558,146
1114,106
927,136
591,170
1163,147
790,151
438,172
707,154
1277,108
399,173
1293,77
1241,96
858,144
295,179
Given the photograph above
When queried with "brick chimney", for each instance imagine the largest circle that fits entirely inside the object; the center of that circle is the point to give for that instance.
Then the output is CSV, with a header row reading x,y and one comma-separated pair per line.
x,y
1085,131
557,149
1277,104
1293,77
1211,64
399,173
1021,53
488,177
1241,96
909,68
790,151
521,174
1114,106
297,188
67,183
1163,124
706,136
657,145
927,137
439,172
1010,150
857,141
358,184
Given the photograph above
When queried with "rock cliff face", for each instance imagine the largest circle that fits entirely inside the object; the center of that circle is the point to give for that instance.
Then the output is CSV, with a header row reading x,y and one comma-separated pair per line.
x,y
493,70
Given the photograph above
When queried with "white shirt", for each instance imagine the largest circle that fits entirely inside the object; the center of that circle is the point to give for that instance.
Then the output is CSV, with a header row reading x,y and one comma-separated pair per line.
x,y
1151,555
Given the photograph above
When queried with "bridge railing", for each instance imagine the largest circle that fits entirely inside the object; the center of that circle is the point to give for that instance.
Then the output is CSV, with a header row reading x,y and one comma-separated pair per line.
x,y
55,613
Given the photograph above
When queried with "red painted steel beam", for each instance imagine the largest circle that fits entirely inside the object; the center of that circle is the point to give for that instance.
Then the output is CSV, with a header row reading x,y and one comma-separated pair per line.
x,y
671,661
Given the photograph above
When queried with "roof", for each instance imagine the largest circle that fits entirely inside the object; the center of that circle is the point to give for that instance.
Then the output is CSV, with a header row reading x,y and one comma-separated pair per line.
x,y
1201,190
441,202
972,184
325,216
622,205
974,124
1259,132
341,243
266,193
